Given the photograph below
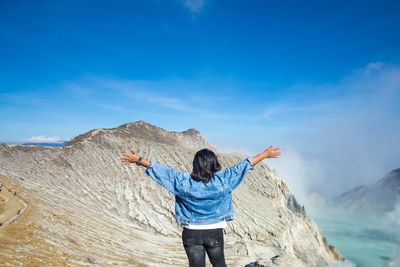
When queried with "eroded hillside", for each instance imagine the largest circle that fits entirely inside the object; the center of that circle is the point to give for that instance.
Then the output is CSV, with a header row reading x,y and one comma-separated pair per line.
x,y
85,207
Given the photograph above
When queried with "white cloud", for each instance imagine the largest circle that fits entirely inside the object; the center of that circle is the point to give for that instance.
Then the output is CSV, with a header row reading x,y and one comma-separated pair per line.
x,y
298,172
136,90
392,219
195,6
44,139
375,65
114,108
168,102
307,108
336,136
276,109
148,92
172,94
345,138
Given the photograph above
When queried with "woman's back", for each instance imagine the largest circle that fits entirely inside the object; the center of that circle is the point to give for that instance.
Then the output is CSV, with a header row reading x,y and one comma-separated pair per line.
x,y
199,202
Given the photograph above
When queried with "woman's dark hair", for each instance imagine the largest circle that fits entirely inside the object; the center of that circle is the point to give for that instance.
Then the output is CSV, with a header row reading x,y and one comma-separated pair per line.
x,y
205,165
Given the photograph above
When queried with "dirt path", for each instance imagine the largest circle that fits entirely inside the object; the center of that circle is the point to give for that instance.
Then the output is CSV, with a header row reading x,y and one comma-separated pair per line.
x,y
11,207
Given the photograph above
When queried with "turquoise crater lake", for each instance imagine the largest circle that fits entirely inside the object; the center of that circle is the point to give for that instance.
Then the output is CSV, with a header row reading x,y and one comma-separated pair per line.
x,y
367,240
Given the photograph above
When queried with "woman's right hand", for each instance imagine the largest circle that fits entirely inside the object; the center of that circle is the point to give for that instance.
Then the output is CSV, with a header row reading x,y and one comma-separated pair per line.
x,y
272,152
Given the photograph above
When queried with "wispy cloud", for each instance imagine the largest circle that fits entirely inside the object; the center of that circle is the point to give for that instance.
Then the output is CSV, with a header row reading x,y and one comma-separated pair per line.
x,y
303,110
195,6
44,139
168,102
354,132
143,91
373,66
173,95
284,108
110,107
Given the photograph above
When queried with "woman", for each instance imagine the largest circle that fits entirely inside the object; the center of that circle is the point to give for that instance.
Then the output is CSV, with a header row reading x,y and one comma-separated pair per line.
x,y
203,199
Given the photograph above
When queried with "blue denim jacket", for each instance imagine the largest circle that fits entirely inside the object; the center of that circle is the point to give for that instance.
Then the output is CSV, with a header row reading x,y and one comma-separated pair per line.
x,y
198,202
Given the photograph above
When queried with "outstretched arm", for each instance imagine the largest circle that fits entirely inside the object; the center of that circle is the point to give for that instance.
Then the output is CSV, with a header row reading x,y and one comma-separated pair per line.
x,y
133,158
238,172
161,174
271,152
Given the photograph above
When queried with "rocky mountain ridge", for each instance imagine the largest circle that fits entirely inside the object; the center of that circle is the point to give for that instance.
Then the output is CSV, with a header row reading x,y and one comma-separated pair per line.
x,y
86,208
191,138
379,197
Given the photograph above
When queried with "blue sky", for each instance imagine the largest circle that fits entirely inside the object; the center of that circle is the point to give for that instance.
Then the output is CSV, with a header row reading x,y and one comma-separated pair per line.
x,y
319,78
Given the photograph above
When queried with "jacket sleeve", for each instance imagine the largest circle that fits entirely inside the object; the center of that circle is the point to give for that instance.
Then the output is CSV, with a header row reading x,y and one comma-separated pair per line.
x,y
236,173
163,175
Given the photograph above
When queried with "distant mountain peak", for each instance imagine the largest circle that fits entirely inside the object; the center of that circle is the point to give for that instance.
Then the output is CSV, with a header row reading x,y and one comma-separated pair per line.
x,y
395,172
377,197
190,138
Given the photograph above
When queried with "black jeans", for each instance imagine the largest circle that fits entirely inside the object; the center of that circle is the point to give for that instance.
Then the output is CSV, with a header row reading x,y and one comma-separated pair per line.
x,y
197,242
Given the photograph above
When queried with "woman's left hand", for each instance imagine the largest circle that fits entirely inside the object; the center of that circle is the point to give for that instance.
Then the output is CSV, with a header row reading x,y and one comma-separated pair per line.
x,y
129,158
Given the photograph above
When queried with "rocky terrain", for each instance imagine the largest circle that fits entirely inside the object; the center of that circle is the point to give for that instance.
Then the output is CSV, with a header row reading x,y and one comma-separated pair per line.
x,y
379,197
83,207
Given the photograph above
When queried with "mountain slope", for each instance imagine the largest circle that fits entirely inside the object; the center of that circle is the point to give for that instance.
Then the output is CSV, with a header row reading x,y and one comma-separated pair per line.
x,y
85,207
378,197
